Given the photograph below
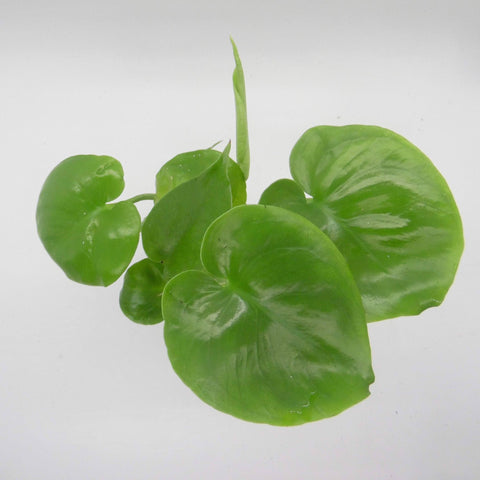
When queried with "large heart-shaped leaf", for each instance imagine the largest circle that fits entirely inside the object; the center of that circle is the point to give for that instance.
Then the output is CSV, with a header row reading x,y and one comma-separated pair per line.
x,y
92,241
387,209
274,330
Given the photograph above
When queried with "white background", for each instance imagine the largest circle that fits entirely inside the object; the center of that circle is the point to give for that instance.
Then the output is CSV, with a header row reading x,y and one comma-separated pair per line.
x,y
87,394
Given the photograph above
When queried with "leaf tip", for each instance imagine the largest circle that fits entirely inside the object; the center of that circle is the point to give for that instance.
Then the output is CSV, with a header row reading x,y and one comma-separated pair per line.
x,y
226,150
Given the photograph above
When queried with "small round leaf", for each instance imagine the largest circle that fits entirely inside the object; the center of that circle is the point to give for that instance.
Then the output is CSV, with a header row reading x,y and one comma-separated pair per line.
x,y
141,295
92,241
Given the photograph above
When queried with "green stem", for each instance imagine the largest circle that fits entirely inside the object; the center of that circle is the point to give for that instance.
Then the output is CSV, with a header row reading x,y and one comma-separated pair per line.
x,y
143,196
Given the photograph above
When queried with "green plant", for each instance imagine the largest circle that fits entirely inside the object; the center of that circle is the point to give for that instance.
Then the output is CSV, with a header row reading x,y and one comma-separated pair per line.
x,y
265,306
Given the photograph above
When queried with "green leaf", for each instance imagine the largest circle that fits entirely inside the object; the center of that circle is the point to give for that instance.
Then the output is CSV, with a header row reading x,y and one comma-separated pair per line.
x,y
243,149
173,230
274,330
192,190
186,166
141,295
92,241
387,209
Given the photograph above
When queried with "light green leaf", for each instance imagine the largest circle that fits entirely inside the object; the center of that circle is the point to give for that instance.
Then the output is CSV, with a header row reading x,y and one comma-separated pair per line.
x,y
387,209
92,241
243,148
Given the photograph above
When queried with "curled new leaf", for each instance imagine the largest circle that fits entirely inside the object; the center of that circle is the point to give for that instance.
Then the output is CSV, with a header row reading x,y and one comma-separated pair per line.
x,y
91,240
243,148
387,209
274,330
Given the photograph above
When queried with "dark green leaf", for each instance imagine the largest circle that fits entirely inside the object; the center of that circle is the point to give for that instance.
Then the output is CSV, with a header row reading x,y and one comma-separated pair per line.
x,y
141,295
274,330
92,241
173,230
186,166
387,209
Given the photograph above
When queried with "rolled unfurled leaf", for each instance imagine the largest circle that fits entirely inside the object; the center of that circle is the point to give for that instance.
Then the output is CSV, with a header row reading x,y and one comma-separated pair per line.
x,y
243,146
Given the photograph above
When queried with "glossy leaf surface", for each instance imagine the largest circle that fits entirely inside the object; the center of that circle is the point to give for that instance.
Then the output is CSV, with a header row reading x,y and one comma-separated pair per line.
x,y
92,241
173,230
186,166
387,209
141,294
274,330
